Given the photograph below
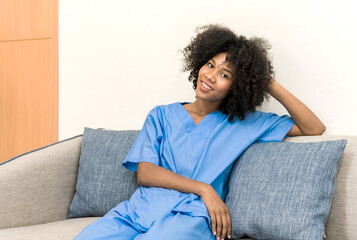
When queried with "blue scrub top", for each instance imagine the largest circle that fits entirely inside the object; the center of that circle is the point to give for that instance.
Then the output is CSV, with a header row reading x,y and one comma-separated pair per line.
x,y
206,152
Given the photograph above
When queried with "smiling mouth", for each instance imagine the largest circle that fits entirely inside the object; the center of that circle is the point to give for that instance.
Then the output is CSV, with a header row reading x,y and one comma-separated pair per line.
x,y
205,86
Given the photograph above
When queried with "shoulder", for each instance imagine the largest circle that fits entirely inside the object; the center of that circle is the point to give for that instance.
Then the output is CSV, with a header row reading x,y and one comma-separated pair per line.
x,y
250,117
164,108
257,115
161,107
260,118
156,111
163,111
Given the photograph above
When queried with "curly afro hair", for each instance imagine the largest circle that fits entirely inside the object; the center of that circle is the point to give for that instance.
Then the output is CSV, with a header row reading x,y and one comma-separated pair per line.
x,y
249,58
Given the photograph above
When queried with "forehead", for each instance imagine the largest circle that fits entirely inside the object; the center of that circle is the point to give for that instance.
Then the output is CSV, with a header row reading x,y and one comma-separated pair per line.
x,y
220,59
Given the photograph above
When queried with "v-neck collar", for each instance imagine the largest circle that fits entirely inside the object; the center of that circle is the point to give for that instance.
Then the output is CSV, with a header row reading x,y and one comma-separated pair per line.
x,y
204,126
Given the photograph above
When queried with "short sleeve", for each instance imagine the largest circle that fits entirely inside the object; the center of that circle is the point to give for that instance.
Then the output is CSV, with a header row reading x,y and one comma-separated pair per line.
x,y
269,127
146,147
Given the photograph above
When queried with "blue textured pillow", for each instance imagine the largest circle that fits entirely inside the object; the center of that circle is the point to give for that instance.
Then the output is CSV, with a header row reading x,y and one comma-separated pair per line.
x,y
283,190
102,181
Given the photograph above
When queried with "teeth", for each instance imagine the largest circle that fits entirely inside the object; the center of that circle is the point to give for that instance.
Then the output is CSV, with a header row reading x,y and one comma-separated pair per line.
x,y
206,86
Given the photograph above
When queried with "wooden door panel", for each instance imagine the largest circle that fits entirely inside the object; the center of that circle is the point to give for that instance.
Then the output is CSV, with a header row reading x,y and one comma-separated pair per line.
x,y
27,19
27,101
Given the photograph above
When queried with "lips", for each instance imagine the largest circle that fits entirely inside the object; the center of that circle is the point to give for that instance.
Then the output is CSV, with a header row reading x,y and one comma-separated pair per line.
x,y
207,85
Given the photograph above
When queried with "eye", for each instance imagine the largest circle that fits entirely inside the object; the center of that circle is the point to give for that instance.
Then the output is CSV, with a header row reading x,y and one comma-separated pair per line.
x,y
225,75
210,65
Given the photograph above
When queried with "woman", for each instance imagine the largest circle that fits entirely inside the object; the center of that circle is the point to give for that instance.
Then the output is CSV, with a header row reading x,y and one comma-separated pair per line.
x,y
185,151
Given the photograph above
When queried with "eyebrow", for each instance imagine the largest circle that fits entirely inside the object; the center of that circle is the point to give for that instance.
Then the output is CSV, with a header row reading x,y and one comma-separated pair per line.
x,y
223,68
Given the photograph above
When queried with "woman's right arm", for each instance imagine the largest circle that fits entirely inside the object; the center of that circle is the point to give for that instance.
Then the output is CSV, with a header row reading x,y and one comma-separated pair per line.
x,y
151,175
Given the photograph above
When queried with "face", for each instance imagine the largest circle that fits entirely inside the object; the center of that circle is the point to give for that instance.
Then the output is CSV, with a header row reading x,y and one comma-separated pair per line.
x,y
218,76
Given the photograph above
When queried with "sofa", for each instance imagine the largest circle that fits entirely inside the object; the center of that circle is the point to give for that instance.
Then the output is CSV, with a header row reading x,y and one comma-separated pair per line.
x,y
37,188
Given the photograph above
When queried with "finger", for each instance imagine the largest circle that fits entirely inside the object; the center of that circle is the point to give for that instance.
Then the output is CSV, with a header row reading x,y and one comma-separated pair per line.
x,y
229,225
229,232
219,226
224,225
213,224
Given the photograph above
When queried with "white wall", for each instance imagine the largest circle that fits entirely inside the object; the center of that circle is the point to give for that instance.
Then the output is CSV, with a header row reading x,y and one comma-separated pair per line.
x,y
118,59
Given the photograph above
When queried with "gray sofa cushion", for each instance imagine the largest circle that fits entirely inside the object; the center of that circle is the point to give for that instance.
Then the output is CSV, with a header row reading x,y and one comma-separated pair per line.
x,y
59,230
102,181
283,190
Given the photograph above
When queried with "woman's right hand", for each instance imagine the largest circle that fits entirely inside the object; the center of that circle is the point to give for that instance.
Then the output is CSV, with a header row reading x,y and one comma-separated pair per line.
x,y
220,217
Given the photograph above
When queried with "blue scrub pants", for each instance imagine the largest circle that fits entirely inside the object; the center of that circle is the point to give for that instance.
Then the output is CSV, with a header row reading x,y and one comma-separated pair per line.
x,y
173,226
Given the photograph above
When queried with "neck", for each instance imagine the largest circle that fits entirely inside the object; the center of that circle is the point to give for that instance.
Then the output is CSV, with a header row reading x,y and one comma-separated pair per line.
x,y
202,107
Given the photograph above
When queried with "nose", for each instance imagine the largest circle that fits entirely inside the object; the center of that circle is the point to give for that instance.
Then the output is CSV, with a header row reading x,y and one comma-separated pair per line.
x,y
210,76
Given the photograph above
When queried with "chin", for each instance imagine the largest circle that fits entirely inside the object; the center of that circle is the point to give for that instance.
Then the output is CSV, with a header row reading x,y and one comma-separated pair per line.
x,y
205,98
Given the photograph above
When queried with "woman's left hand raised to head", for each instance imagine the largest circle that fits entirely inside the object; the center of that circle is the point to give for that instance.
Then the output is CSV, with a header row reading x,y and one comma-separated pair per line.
x,y
272,82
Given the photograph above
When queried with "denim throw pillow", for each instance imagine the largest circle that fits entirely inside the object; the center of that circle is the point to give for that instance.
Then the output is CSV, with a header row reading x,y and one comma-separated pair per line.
x,y
283,190
102,181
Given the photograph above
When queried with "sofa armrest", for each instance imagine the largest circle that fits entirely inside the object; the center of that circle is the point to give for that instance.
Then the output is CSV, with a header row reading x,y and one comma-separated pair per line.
x,y
38,186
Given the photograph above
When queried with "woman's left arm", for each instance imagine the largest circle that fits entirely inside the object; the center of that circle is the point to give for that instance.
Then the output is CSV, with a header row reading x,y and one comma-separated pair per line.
x,y
306,122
